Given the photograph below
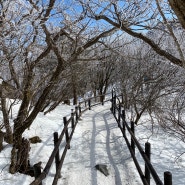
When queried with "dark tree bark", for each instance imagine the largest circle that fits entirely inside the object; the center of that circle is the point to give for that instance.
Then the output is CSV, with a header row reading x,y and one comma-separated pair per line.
x,y
178,7
2,134
20,161
8,135
23,122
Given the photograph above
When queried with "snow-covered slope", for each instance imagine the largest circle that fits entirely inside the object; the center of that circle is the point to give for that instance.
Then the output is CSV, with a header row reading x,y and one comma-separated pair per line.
x,y
96,140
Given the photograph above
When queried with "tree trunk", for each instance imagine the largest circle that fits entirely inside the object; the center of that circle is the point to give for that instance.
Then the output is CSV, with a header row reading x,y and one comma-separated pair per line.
x,y
22,122
74,96
95,94
8,136
23,156
1,140
20,156
74,88
102,97
14,153
178,7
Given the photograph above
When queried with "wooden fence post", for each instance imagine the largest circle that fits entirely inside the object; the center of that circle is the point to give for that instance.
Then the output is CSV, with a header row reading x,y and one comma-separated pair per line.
x,y
37,171
80,110
72,118
119,114
123,115
132,141
112,94
148,154
167,178
114,105
112,99
102,99
123,121
76,111
66,133
89,104
57,158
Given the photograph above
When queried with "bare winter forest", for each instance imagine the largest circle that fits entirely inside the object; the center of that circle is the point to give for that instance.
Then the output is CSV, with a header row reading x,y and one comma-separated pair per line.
x,y
59,51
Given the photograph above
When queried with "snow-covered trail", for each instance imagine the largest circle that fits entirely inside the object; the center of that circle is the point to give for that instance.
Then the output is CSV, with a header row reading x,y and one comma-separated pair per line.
x,y
98,140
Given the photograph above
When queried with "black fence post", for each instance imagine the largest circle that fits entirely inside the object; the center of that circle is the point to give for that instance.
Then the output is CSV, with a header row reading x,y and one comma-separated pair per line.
x,y
112,94
148,154
72,118
37,171
123,121
89,104
119,115
112,101
80,110
103,97
132,141
66,133
57,158
76,111
114,105
123,115
167,178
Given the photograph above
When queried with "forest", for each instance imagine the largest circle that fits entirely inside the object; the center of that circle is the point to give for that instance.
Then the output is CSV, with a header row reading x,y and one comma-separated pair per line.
x,y
55,50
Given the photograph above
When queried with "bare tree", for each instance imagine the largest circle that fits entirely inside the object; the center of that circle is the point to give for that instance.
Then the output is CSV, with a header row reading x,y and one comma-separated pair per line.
x,y
30,39
160,24
135,16
144,80
171,118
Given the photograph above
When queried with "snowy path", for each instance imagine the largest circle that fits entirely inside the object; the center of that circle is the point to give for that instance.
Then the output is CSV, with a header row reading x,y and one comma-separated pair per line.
x,y
97,140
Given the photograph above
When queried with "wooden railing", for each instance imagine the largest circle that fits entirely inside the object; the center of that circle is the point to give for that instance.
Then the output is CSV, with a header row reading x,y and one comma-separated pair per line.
x,y
119,114
87,104
67,132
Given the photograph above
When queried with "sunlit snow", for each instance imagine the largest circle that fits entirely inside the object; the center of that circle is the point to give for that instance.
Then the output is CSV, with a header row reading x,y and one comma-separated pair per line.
x,y
97,140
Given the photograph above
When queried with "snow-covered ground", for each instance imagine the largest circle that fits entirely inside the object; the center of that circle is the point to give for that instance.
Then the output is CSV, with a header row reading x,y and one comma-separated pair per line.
x,y
96,140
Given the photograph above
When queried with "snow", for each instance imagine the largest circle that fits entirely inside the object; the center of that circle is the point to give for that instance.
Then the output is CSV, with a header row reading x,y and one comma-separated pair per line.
x,y
96,140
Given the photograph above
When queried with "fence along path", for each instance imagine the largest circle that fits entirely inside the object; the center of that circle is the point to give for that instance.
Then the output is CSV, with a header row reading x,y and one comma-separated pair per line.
x,y
94,138
149,171
67,134
98,140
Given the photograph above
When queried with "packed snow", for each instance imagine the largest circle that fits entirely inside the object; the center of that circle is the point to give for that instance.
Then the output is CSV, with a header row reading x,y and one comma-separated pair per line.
x,y
97,140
